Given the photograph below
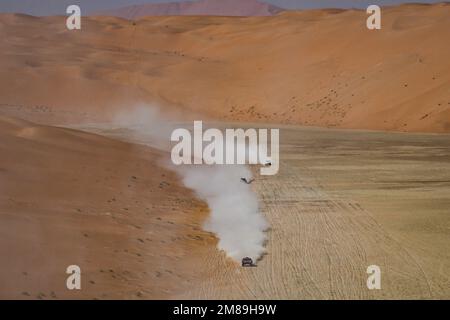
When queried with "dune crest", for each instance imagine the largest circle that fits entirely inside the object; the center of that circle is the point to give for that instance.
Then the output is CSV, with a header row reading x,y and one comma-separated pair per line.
x,y
314,67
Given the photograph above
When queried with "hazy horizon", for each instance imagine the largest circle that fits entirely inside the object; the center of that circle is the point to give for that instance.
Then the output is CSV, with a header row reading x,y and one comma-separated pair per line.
x,y
58,7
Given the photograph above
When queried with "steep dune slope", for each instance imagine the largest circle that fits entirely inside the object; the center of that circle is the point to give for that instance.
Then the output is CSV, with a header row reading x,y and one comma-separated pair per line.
x,y
319,67
71,198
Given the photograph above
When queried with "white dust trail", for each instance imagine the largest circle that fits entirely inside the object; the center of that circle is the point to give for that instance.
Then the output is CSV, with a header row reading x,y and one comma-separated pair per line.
x,y
235,215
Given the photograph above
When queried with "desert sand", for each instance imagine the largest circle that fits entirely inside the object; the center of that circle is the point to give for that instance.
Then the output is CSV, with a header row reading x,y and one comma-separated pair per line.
x,y
247,8
343,199
71,198
316,68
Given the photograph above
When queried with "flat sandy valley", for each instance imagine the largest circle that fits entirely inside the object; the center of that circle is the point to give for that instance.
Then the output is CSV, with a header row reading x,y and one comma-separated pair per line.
x,y
342,201
345,197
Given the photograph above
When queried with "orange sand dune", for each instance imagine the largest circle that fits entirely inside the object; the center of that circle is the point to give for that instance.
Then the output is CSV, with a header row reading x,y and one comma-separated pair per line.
x,y
319,67
71,198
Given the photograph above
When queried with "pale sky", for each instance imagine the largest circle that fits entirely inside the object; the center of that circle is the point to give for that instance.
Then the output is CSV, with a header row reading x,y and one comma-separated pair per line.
x,y
58,7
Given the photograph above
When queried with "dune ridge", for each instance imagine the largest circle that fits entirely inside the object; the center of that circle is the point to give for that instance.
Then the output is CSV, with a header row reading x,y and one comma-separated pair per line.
x,y
315,68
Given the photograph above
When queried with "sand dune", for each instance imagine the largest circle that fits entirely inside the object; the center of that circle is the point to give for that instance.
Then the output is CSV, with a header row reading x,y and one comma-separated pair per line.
x,y
72,198
318,67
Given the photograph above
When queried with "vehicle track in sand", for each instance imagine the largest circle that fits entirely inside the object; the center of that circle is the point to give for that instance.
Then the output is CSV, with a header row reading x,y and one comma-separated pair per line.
x,y
342,201
322,241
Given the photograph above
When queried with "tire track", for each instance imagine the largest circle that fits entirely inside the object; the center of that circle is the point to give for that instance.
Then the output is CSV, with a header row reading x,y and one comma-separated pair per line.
x,y
319,247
